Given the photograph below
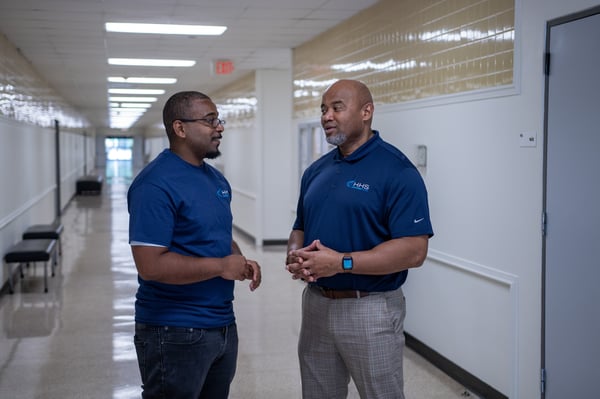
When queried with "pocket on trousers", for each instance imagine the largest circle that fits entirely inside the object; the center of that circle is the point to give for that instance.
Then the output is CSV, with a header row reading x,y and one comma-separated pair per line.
x,y
396,310
183,336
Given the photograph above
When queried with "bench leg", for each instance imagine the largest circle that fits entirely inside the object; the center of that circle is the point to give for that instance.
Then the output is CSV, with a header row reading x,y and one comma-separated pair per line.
x,y
54,260
9,272
11,284
11,287
46,274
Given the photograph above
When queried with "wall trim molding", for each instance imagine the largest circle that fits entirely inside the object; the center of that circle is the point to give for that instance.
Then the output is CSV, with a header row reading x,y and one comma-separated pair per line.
x,y
5,221
455,98
243,193
479,270
510,281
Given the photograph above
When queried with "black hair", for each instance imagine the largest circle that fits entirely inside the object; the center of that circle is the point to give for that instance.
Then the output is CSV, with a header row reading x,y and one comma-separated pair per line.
x,y
178,106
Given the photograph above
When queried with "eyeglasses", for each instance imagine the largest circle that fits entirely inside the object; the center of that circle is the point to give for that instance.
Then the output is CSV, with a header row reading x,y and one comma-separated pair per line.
x,y
214,122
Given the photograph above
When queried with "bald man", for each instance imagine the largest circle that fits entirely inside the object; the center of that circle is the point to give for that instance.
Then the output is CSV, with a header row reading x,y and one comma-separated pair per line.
x,y
362,221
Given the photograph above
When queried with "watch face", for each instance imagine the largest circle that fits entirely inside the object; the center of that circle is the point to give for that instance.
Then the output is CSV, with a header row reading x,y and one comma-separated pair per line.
x,y
347,263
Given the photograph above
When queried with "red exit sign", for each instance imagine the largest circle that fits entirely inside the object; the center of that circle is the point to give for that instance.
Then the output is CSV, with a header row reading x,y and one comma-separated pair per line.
x,y
223,67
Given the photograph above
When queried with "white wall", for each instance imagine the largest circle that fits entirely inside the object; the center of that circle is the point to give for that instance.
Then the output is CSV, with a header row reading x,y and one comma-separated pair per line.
x,y
28,176
256,161
274,117
240,163
485,198
76,150
154,146
28,148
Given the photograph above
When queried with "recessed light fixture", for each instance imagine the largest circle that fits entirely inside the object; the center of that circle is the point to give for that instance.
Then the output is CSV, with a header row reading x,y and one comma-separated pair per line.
x,y
151,62
132,99
156,92
136,105
141,80
127,111
166,29
122,121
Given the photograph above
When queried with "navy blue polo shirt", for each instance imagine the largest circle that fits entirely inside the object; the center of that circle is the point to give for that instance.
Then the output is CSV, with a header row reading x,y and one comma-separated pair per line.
x,y
355,203
187,209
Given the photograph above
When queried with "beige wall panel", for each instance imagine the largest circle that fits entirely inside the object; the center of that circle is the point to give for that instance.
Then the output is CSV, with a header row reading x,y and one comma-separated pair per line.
x,y
410,49
237,102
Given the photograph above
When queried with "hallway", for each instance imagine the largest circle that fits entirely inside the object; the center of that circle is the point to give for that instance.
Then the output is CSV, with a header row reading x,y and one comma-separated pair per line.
x,y
76,340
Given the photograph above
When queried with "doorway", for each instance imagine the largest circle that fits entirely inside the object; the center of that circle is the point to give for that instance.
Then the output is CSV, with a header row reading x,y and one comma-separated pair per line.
x,y
313,145
119,155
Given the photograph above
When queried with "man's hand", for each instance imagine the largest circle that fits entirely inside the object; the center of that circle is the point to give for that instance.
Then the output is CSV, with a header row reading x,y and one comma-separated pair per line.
x,y
253,273
313,262
237,267
293,264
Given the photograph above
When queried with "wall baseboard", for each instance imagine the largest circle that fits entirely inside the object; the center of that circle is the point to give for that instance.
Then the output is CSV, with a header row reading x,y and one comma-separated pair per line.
x,y
468,380
275,242
251,239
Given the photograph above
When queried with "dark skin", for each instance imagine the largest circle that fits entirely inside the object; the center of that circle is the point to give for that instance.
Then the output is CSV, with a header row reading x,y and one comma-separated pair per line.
x,y
347,111
193,142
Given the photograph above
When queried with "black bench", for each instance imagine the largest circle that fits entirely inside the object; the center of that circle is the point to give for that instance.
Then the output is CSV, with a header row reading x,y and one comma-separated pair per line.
x,y
90,184
52,231
30,251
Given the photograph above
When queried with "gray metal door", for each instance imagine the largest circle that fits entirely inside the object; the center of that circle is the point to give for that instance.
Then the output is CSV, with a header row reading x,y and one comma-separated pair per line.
x,y
571,353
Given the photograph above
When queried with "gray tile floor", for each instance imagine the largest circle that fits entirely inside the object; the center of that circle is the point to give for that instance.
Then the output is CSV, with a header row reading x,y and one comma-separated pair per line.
x,y
76,340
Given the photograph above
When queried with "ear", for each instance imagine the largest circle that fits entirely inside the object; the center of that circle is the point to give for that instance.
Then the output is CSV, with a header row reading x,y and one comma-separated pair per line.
x,y
367,111
178,129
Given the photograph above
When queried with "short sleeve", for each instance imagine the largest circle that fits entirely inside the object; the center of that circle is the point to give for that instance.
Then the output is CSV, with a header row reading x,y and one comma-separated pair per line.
x,y
152,215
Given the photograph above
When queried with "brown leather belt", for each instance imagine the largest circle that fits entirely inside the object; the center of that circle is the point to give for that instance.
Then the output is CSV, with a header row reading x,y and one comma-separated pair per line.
x,y
342,294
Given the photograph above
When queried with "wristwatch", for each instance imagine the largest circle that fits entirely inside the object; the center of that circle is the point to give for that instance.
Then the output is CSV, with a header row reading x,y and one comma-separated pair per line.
x,y
347,263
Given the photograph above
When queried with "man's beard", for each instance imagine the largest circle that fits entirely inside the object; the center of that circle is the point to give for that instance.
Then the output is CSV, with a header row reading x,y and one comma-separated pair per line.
x,y
213,155
336,139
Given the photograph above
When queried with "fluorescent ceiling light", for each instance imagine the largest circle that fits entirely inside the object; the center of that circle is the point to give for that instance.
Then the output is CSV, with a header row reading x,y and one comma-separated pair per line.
x,y
156,92
143,106
132,99
126,112
123,122
151,62
161,81
166,29
135,105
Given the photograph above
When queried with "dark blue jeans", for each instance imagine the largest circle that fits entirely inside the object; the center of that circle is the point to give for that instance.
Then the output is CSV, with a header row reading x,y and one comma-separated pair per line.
x,y
186,363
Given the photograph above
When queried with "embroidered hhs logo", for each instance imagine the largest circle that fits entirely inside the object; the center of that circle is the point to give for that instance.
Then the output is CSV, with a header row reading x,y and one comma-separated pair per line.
x,y
353,184
223,194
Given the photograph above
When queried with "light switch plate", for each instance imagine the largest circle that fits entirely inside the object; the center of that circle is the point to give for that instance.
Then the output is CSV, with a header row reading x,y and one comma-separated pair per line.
x,y
528,139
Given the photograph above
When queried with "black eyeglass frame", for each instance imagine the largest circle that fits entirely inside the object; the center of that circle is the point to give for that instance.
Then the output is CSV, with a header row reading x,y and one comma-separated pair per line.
x,y
214,122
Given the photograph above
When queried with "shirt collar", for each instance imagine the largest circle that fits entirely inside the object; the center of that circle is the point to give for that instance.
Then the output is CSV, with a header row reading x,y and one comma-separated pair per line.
x,y
361,151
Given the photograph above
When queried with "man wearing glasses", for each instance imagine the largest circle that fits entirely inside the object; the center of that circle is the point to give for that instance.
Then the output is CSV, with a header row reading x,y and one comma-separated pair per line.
x,y
180,232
